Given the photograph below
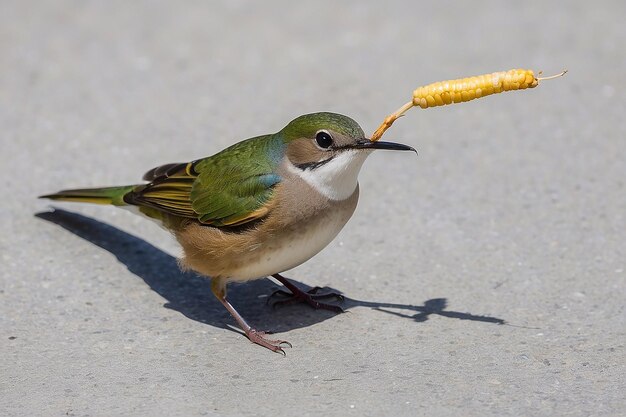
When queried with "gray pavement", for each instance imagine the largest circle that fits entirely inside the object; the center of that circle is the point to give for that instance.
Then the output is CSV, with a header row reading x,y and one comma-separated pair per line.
x,y
513,212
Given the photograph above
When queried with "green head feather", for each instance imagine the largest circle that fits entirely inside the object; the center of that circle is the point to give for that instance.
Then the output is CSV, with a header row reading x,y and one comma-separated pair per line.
x,y
307,125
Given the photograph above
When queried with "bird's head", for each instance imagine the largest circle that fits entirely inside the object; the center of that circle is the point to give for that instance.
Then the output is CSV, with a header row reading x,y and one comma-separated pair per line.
x,y
327,150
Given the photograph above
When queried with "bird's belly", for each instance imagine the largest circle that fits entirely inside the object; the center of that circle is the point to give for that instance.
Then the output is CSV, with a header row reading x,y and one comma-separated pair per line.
x,y
293,246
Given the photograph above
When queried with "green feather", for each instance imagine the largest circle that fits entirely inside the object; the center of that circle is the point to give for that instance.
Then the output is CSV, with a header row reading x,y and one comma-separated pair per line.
x,y
108,195
238,181
307,125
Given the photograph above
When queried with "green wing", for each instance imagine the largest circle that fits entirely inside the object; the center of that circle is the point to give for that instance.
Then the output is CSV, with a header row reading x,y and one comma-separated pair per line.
x,y
230,188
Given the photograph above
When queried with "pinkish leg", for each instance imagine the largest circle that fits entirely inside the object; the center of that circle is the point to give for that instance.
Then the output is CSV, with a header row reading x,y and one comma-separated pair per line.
x,y
255,336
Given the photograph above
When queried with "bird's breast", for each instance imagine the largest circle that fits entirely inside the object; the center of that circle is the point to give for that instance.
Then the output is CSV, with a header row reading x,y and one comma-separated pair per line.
x,y
293,244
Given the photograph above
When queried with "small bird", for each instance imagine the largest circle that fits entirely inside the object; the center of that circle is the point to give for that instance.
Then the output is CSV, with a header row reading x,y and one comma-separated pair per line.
x,y
257,208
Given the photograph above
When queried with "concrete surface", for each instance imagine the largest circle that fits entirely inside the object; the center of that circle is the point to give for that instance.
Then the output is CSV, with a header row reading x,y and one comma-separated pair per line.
x,y
513,212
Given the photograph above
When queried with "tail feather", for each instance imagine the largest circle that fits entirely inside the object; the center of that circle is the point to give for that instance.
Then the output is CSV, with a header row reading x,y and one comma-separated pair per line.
x,y
108,195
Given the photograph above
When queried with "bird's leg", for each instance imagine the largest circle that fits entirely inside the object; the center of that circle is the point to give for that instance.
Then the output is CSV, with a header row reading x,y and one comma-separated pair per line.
x,y
218,287
310,297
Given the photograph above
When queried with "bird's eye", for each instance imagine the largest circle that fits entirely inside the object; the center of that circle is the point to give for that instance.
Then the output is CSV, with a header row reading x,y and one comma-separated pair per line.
x,y
323,139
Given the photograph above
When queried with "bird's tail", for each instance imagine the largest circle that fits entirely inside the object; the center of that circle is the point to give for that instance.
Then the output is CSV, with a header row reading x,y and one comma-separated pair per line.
x,y
108,195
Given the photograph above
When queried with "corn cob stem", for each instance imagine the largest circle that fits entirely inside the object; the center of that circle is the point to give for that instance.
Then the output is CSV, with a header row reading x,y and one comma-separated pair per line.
x,y
465,89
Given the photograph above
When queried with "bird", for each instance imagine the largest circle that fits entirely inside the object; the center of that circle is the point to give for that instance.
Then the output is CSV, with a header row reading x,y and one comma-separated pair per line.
x,y
257,208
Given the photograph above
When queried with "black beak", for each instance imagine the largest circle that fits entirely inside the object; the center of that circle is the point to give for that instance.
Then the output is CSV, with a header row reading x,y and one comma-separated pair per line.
x,y
391,146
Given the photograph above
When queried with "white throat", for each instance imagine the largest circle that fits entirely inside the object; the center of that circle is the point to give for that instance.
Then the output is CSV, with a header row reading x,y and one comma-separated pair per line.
x,y
336,179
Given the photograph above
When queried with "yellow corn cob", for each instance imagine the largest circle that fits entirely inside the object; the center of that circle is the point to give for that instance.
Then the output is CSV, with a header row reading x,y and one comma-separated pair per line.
x,y
464,89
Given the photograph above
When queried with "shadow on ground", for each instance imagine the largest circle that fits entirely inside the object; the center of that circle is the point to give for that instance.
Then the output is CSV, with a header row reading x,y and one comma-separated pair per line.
x,y
190,294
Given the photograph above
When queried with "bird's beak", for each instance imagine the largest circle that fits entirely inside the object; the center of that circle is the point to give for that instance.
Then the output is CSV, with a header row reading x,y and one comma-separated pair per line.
x,y
392,146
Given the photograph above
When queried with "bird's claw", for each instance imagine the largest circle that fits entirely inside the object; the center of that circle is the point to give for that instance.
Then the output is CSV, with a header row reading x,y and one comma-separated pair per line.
x,y
276,293
259,338
313,292
310,297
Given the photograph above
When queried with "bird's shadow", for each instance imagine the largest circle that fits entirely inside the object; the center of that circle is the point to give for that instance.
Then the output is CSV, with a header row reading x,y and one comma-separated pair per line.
x,y
190,294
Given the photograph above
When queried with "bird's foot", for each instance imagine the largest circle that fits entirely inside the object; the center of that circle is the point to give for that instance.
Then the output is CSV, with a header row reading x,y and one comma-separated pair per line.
x,y
311,297
259,338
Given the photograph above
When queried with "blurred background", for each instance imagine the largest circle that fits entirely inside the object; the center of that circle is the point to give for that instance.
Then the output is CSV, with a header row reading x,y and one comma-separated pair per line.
x,y
514,208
